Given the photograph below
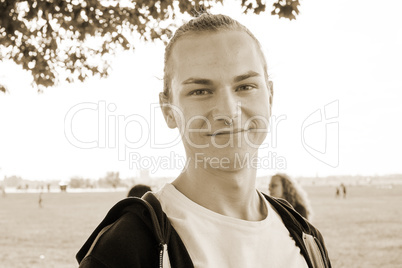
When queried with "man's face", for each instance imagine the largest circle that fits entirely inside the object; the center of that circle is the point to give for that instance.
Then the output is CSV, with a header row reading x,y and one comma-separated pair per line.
x,y
218,76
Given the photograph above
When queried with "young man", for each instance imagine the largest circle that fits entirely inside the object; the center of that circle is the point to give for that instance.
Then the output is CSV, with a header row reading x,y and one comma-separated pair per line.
x,y
217,93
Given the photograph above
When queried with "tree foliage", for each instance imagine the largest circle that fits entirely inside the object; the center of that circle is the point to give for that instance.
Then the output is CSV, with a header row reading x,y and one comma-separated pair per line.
x,y
79,182
3,88
76,38
113,179
12,181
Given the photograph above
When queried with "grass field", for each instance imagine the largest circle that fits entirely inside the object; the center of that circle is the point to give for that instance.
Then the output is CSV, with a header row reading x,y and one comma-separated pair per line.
x,y
363,230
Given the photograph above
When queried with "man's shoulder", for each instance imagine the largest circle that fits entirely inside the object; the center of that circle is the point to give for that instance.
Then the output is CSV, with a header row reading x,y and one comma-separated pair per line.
x,y
127,228
129,235
290,217
274,200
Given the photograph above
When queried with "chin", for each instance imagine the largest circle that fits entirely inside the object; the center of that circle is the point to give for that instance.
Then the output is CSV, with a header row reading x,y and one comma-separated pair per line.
x,y
228,160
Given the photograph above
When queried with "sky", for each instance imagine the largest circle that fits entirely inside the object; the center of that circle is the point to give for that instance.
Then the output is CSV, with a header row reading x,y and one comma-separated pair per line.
x,y
337,74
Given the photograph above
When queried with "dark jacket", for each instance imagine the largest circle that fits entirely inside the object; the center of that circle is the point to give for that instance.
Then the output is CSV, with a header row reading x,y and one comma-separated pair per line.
x,y
135,233
301,210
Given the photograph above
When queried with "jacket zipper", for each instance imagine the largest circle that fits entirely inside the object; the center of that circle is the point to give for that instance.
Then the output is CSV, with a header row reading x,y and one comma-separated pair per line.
x,y
161,256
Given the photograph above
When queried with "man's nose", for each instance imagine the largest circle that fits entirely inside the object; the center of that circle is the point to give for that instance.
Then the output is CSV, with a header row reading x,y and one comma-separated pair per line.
x,y
227,106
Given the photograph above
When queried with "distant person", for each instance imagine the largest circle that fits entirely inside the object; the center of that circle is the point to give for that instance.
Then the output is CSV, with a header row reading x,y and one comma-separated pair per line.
x,y
3,191
40,200
343,187
337,192
282,186
138,190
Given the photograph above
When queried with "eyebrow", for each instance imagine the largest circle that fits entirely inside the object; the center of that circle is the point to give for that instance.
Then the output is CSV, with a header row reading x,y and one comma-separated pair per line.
x,y
245,76
199,81
203,81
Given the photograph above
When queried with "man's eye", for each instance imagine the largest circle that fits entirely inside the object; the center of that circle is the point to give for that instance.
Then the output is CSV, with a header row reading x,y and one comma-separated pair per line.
x,y
199,92
245,88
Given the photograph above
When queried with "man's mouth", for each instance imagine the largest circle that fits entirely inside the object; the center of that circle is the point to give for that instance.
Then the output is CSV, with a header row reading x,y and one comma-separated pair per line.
x,y
228,132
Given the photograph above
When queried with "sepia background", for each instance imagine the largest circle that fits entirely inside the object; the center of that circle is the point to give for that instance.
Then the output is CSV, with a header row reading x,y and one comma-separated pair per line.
x,y
336,71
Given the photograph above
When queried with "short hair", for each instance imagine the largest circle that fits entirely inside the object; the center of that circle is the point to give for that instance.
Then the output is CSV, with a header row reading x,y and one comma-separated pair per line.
x,y
138,190
206,23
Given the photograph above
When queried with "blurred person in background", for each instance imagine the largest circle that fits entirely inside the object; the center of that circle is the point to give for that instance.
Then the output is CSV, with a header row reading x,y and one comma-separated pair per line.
x,y
40,200
337,192
139,190
343,187
217,93
282,186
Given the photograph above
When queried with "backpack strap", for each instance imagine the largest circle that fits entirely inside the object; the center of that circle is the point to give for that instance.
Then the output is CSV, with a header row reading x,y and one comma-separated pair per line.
x,y
315,251
305,235
162,226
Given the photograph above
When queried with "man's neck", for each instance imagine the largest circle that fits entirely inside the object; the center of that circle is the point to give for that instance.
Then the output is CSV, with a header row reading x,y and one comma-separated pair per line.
x,y
230,193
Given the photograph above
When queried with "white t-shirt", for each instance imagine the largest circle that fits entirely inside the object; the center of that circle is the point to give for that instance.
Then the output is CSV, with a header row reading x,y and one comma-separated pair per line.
x,y
215,240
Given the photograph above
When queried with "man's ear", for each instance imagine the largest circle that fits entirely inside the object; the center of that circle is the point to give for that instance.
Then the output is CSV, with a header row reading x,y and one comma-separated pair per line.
x,y
271,94
167,111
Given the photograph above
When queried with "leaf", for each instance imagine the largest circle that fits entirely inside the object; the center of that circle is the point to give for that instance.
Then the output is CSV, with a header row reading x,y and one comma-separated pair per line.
x,y
287,9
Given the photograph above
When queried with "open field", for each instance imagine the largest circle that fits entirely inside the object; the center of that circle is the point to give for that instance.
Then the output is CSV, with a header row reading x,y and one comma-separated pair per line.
x,y
363,230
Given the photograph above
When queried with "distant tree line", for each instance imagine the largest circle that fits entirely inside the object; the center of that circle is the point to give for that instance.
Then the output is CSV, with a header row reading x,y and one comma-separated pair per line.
x,y
111,179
